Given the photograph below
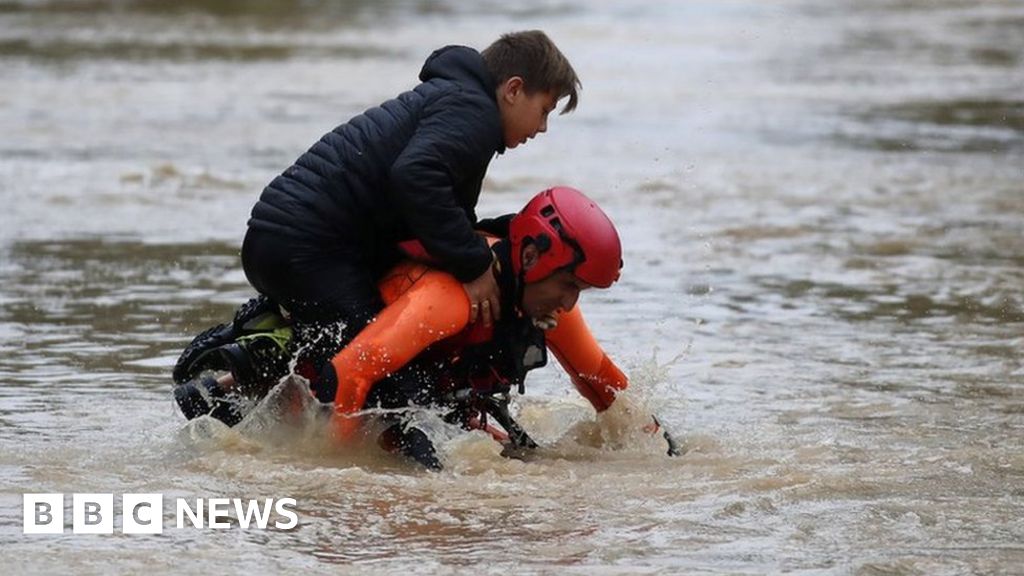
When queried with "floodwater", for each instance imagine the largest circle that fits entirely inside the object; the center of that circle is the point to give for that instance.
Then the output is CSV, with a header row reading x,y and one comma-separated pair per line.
x,y
822,204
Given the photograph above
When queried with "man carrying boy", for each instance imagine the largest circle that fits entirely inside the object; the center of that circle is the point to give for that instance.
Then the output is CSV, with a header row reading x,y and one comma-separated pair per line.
x,y
560,244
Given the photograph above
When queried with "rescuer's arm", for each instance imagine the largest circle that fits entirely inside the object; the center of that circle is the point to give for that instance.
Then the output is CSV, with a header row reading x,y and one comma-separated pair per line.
x,y
434,308
593,373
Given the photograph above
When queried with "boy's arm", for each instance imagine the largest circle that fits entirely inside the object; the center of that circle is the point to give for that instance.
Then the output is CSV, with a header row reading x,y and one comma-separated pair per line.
x,y
452,144
496,226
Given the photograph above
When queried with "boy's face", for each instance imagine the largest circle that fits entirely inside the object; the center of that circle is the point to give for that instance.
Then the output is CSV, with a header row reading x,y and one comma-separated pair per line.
x,y
523,115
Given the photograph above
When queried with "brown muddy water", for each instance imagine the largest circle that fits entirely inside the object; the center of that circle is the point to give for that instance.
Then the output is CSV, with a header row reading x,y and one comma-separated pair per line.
x,y
822,204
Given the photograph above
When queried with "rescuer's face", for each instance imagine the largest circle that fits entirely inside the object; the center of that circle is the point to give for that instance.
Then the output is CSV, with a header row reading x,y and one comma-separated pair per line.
x,y
555,294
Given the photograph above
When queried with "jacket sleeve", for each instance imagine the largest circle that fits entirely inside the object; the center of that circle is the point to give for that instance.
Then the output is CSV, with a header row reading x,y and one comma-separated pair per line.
x,y
452,144
496,226
595,376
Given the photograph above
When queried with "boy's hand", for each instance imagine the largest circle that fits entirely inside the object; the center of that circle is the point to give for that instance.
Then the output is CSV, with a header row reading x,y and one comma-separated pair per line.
x,y
484,298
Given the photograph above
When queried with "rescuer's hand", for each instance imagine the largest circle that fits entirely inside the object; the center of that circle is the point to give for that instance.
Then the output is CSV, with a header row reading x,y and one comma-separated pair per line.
x,y
654,427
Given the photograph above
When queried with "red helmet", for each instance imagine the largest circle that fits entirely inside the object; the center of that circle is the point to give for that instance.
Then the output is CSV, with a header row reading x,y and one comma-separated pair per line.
x,y
571,232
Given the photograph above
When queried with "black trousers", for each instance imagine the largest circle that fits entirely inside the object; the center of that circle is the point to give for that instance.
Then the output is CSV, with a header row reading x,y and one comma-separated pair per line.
x,y
330,290
332,294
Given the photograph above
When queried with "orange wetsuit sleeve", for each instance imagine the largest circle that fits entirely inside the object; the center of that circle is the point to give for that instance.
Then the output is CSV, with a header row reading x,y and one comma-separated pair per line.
x,y
434,307
594,374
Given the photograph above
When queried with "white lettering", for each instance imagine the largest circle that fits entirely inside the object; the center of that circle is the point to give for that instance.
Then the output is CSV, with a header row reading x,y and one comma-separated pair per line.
x,y
281,508
92,513
43,513
219,509
142,514
253,510
196,517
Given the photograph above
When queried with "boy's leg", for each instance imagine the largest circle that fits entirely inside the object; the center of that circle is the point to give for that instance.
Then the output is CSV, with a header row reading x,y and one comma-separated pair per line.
x,y
331,293
257,316
330,298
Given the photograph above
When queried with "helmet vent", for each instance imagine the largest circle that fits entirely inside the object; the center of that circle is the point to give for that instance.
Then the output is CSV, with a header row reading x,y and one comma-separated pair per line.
x,y
547,211
543,243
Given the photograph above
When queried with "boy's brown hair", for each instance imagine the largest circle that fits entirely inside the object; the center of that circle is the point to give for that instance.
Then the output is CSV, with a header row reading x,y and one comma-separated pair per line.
x,y
532,56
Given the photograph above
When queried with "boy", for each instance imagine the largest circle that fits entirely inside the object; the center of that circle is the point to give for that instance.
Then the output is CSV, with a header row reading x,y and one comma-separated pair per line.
x,y
323,232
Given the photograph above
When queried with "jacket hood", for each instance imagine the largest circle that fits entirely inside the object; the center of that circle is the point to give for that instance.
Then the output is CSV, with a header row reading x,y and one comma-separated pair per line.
x,y
459,64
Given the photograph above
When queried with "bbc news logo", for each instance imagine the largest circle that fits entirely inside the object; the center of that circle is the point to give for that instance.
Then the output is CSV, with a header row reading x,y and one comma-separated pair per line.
x,y
144,513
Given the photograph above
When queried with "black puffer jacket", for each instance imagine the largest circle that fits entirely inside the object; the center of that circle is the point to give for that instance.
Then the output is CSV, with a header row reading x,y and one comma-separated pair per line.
x,y
409,168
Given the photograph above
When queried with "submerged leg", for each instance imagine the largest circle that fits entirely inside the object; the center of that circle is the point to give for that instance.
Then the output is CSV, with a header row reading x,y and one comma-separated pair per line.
x,y
412,442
